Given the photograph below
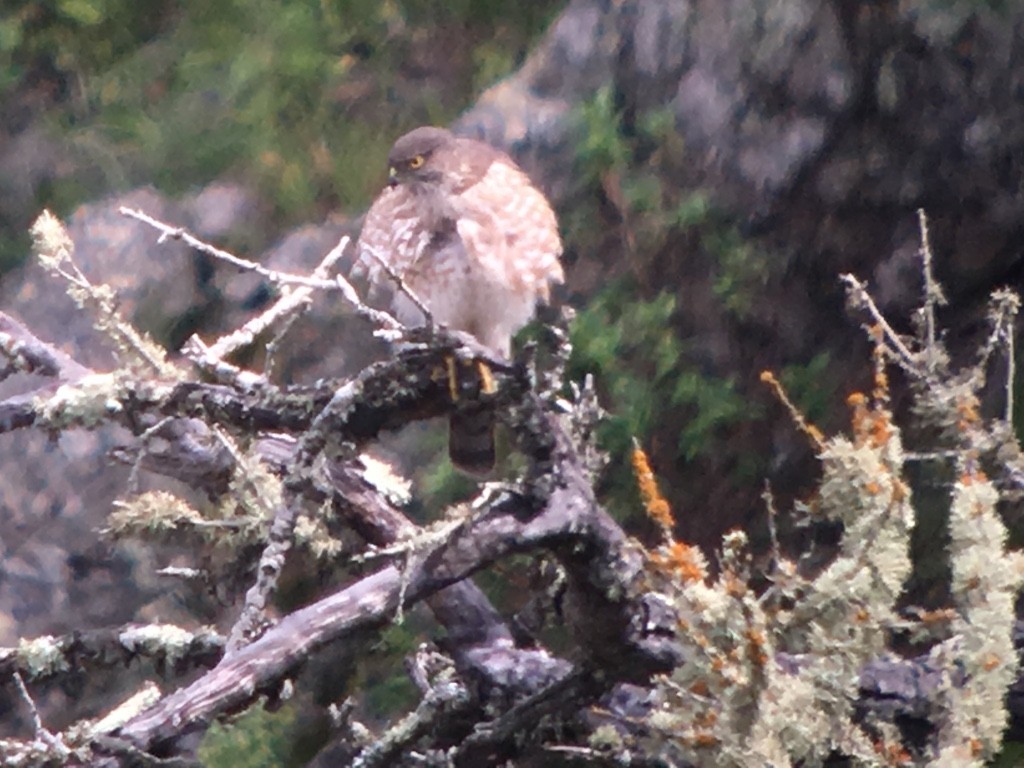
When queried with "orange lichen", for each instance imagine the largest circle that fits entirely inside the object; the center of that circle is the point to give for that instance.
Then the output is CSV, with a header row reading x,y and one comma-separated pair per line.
x,y
881,428
734,586
706,719
900,491
940,616
655,505
967,410
705,740
881,390
812,432
859,418
700,688
756,652
990,662
856,399
873,488
892,754
970,478
681,560
871,427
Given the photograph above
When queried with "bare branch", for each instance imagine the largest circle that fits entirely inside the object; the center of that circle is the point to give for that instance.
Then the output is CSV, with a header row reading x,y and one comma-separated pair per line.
x,y
292,301
860,298
314,282
30,354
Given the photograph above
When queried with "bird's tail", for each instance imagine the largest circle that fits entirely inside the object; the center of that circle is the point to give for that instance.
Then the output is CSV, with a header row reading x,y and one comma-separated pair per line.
x,y
471,442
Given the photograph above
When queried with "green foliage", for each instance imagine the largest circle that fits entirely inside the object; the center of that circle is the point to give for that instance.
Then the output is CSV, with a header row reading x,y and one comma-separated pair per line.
x,y
713,402
438,483
742,271
601,147
638,168
72,37
386,686
239,85
637,358
804,386
257,739
287,96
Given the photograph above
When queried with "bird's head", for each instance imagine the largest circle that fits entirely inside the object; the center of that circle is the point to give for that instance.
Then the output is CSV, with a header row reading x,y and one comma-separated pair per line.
x,y
413,158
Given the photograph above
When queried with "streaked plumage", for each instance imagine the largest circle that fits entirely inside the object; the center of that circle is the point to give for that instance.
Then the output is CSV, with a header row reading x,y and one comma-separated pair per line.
x,y
471,237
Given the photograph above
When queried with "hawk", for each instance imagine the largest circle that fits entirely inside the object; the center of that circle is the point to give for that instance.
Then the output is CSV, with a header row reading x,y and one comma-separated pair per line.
x,y
474,240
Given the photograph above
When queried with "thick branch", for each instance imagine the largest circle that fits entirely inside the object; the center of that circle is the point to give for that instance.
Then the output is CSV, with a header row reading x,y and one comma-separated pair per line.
x,y
590,545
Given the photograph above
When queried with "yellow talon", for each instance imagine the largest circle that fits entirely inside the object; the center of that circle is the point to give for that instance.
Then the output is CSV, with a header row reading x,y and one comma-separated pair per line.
x,y
453,380
486,378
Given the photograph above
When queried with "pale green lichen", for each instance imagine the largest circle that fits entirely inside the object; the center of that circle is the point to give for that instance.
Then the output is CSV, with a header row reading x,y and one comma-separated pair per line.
x,y
311,531
168,640
732,704
606,739
88,402
136,350
386,480
985,582
142,699
42,656
255,494
152,512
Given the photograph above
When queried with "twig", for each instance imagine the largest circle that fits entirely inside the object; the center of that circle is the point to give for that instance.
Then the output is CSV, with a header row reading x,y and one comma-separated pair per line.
x,y
768,497
407,546
442,697
274,344
42,734
144,438
933,295
401,285
221,370
55,252
338,283
603,757
80,650
184,573
1003,313
812,432
859,296
281,535
37,722
180,233
1011,374
287,304
32,355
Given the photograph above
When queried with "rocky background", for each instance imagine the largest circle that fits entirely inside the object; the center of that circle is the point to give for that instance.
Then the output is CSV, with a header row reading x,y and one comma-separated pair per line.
x,y
716,164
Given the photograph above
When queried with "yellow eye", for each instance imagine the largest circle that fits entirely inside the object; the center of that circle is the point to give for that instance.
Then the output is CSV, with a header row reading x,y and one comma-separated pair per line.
x,y
416,162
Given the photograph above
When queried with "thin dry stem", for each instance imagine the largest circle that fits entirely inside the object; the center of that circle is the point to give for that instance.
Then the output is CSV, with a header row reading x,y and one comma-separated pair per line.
x,y
812,432
858,293
401,285
337,283
293,300
933,295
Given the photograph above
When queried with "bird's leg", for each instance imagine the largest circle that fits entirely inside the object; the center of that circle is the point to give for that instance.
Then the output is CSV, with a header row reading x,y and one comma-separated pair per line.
x,y
453,377
487,384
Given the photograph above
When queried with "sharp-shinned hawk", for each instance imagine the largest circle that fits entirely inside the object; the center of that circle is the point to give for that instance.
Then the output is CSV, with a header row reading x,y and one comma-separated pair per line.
x,y
474,240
